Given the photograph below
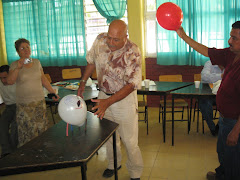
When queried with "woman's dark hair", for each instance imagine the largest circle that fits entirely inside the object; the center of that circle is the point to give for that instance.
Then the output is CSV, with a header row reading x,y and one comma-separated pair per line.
x,y
4,68
19,42
236,25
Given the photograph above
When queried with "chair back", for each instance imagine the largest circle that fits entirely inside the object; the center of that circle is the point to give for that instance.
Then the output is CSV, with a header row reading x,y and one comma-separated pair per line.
x,y
197,77
94,75
48,77
171,78
71,73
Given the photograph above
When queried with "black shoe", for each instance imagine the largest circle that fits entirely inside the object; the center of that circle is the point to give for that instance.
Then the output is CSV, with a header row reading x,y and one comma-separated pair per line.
x,y
109,172
213,132
211,176
3,155
135,178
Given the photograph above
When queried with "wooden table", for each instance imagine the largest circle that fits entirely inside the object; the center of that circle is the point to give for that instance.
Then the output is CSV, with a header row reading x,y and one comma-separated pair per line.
x,y
163,89
54,150
204,91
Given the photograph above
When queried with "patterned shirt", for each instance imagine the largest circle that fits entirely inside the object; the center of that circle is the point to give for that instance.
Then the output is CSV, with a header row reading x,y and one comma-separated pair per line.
x,y
118,68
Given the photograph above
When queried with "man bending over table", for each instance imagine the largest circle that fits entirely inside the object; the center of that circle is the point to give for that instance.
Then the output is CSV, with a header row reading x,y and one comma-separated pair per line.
x,y
118,65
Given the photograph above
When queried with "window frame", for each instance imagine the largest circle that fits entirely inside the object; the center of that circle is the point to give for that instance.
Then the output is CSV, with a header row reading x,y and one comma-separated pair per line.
x,y
150,16
89,44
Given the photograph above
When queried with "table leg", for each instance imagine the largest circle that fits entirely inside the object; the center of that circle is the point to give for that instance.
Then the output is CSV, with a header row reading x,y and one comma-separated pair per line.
x,y
190,114
83,171
172,120
164,119
115,155
198,116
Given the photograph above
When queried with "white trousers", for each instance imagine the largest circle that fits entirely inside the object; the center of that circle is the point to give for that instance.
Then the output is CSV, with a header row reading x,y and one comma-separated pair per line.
x,y
125,113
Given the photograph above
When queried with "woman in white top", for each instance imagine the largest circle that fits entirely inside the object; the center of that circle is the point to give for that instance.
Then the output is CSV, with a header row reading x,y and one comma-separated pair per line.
x,y
28,75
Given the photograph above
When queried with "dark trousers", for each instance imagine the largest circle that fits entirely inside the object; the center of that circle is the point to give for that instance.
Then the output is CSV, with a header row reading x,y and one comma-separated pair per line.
x,y
229,156
206,108
8,129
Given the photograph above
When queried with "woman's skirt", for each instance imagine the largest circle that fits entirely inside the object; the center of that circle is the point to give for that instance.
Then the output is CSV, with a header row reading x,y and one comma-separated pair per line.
x,y
32,120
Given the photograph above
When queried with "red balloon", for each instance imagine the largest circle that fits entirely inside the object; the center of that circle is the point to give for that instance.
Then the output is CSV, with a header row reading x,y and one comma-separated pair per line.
x,y
169,16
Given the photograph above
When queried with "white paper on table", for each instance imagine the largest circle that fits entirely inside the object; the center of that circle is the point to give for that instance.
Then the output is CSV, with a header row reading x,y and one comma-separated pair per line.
x,y
216,86
45,91
151,83
89,82
1,100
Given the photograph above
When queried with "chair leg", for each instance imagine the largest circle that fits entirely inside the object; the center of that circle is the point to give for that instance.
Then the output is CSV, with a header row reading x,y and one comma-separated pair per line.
x,y
162,114
202,125
195,105
159,113
52,113
189,120
198,117
182,112
215,114
146,114
56,108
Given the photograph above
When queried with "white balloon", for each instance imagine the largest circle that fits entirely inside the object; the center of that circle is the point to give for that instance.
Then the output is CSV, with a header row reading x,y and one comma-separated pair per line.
x,y
73,110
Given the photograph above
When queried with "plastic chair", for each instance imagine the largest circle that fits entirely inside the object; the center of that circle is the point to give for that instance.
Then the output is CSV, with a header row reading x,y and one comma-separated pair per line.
x,y
48,77
94,75
178,102
73,73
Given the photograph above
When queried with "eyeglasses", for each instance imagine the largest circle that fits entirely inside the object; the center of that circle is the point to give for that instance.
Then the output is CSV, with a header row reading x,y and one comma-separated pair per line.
x,y
23,48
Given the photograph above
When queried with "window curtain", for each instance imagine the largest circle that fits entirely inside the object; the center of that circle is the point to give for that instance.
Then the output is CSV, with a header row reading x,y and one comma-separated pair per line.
x,y
207,22
55,29
111,9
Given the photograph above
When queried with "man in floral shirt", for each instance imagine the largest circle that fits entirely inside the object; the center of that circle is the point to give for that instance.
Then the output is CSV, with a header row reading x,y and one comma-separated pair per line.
x,y
117,61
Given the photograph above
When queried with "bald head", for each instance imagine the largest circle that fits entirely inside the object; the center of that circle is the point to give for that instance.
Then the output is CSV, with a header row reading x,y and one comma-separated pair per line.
x,y
117,35
119,26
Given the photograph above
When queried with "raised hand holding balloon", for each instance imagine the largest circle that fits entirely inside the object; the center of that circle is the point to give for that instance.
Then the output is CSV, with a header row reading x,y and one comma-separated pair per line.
x,y
169,16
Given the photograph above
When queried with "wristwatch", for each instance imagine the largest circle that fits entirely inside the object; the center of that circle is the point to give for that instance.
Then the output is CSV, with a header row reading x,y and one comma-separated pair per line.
x,y
83,81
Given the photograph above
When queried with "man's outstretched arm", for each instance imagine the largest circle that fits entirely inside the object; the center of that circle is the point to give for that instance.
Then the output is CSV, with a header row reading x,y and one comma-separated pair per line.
x,y
202,49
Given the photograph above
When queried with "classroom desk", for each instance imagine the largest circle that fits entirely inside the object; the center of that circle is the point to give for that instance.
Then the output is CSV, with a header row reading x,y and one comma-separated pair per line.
x,y
163,89
54,150
90,92
204,91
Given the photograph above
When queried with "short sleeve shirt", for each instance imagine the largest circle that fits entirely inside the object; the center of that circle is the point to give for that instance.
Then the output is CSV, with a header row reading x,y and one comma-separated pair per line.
x,y
8,93
228,95
118,68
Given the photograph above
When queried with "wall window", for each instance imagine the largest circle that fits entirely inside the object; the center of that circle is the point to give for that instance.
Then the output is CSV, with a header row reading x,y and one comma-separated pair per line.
x,y
60,31
207,22
54,28
150,33
95,23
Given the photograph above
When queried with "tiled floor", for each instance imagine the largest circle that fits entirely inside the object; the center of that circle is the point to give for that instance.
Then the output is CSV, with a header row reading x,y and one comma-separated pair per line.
x,y
192,156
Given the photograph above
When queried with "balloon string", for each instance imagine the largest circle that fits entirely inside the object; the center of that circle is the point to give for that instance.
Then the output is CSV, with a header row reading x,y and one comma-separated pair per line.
x,y
67,130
